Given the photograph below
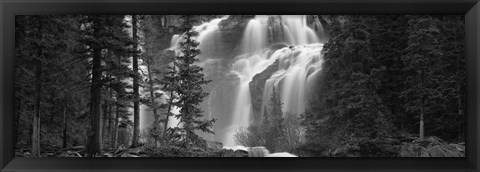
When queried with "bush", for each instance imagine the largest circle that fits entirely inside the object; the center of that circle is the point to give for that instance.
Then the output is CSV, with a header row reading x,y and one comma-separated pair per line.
x,y
250,137
284,135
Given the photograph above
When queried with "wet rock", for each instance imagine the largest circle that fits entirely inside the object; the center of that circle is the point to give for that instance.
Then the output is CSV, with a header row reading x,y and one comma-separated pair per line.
x,y
277,46
231,32
257,86
276,29
241,153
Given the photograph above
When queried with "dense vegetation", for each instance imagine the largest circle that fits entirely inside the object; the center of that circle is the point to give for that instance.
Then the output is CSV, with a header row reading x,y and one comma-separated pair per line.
x,y
386,80
389,77
77,77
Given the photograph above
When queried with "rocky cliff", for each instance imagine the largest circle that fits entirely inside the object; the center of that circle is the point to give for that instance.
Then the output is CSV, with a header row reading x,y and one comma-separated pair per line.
x,y
257,86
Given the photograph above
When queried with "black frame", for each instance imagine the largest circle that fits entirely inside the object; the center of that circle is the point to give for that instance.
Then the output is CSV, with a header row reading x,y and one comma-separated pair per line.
x,y
10,8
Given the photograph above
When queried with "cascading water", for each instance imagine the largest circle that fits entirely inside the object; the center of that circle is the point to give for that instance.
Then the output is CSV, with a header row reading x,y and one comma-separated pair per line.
x,y
255,35
299,62
296,64
208,37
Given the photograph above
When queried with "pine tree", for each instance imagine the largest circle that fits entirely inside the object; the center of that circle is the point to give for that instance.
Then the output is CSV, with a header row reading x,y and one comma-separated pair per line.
x,y
189,90
136,96
273,123
170,83
102,34
350,110
43,41
421,63
154,61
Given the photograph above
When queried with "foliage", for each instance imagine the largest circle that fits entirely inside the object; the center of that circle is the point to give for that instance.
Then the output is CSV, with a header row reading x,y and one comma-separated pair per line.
x,y
278,131
186,81
380,73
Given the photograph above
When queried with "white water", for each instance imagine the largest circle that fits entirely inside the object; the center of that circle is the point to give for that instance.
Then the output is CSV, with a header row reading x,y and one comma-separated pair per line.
x,y
299,64
296,65
207,36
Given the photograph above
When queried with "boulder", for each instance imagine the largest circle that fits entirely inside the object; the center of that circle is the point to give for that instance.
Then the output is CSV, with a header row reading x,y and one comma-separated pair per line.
x,y
442,151
241,153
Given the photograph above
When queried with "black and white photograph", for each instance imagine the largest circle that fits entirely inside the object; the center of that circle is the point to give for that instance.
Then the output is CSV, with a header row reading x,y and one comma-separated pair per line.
x,y
240,86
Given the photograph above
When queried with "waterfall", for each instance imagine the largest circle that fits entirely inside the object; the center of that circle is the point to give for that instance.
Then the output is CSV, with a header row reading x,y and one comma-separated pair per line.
x,y
255,35
208,37
299,63
297,31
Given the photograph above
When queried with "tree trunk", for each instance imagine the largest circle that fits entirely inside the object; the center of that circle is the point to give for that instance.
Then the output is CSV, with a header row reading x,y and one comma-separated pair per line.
x,y
94,145
115,136
17,122
64,145
110,118
422,130
152,95
38,90
136,110
36,117
169,107
104,121
460,81
117,111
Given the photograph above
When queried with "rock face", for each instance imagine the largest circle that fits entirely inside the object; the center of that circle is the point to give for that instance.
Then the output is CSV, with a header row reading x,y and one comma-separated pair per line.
x,y
231,32
257,86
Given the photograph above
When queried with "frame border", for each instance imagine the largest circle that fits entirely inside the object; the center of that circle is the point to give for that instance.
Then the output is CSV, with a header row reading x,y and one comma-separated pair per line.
x,y
10,8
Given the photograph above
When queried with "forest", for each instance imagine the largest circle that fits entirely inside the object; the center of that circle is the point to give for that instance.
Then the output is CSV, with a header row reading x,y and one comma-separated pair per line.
x,y
239,86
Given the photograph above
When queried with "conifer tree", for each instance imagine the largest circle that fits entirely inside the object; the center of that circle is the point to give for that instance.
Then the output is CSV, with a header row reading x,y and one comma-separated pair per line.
x,y
273,123
102,34
189,89
136,94
421,60
43,41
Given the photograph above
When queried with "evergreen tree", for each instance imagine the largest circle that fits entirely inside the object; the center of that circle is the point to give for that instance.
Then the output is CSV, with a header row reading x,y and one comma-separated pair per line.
x,y
453,82
136,96
155,61
421,59
102,33
43,41
189,90
349,103
273,123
